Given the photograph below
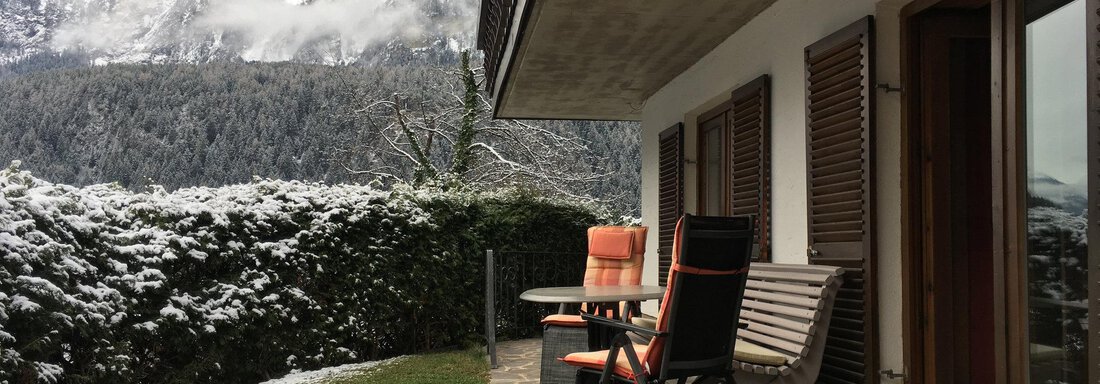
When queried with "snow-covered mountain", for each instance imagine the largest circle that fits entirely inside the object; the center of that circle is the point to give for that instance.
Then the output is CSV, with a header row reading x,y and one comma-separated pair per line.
x,y
1070,197
199,31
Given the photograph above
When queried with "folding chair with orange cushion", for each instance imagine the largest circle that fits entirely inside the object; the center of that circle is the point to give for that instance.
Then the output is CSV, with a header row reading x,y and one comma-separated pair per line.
x,y
697,323
615,257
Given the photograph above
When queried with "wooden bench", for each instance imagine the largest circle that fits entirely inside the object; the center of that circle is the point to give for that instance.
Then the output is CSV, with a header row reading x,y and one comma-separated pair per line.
x,y
784,320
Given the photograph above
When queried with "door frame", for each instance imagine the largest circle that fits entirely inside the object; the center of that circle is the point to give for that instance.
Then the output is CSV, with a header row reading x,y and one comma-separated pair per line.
x,y
1009,183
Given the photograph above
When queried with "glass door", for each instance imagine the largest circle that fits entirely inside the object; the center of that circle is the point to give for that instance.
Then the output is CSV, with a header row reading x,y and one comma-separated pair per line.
x,y
1057,198
713,164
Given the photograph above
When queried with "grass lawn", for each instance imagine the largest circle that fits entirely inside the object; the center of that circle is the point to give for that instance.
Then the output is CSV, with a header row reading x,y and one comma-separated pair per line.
x,y
467,366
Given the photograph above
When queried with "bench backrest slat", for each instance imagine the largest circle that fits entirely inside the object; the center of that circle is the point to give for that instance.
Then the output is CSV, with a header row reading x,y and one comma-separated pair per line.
x,y
805,314
794,337
804,290
791,277
772,342
784,298
764,318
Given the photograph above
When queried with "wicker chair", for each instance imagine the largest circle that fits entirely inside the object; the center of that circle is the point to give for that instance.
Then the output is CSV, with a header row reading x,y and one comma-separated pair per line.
x,y
615,257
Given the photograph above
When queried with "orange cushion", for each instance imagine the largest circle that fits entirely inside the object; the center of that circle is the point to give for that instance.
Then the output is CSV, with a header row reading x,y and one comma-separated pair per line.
x,y
611,243
565,321
596,360
657,344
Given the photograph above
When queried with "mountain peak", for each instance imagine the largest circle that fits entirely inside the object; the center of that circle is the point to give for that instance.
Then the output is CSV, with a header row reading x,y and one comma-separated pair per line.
x,y
201,31
1040,178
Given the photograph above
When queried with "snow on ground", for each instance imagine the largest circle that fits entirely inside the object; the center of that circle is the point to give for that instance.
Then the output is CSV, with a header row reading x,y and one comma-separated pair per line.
x,y
324,374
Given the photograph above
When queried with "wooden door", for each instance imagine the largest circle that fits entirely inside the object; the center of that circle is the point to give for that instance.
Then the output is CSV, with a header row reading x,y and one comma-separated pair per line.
x,y
952,92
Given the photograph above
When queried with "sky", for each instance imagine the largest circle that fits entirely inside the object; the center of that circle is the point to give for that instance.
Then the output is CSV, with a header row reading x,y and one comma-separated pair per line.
x,y
1056,95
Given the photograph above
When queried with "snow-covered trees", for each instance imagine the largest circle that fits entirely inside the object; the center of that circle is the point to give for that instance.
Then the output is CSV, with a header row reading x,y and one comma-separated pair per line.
x,y
244,282
221,123
443,130
1057,246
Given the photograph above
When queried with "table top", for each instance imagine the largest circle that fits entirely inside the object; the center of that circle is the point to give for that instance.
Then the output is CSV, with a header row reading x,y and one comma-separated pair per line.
x,y
594,294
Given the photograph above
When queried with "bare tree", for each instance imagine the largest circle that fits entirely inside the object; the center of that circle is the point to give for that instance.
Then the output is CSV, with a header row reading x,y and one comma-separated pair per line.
x,y
442,132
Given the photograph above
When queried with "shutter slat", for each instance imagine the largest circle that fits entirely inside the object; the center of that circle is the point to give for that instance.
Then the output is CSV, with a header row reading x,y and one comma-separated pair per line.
x,y
830,55
838,207
839,197
841,120
848,102
841,84
824,148
837,188
748,161
839,167
826,180
839,227
747,106
839,216
841,156
751,119
743,197
839,106
748,184
753,170
837,237
844,60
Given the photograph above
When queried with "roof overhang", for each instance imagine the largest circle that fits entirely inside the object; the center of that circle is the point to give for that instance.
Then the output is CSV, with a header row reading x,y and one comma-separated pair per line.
x,y
598,60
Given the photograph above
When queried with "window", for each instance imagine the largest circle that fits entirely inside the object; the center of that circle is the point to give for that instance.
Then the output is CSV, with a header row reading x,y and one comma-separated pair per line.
x,y
734,164
1057,190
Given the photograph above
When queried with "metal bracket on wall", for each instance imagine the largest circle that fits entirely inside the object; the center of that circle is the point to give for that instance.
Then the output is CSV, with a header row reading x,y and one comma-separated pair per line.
x,y
890,374
886,87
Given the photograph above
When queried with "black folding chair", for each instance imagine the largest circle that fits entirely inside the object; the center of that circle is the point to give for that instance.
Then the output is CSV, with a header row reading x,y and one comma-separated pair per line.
x,y
697,322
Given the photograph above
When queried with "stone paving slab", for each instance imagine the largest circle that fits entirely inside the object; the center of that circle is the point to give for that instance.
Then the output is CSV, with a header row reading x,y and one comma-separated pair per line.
x,y
517,362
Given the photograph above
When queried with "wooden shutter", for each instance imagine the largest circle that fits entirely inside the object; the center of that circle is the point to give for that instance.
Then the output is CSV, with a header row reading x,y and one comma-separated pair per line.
x,y
750,158
839,119
1092,24
670,195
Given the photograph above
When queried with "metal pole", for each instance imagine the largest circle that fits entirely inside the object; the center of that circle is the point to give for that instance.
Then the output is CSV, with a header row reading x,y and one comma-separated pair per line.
x,y
490,310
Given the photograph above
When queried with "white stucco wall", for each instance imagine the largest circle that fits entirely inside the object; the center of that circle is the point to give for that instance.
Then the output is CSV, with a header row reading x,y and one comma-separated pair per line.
x,y
773,44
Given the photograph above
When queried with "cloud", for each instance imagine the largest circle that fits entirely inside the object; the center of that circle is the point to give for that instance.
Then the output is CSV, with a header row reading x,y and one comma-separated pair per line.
x,y
264,30
277,30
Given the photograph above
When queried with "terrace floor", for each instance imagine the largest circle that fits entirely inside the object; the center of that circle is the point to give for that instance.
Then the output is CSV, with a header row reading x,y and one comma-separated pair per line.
x,y
517,362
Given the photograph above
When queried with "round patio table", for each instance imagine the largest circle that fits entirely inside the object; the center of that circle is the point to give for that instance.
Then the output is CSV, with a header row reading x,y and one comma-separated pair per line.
x,y
593,294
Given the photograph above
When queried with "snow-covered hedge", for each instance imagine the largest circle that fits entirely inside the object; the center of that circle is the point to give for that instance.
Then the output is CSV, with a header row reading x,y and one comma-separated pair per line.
x,y
246,282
